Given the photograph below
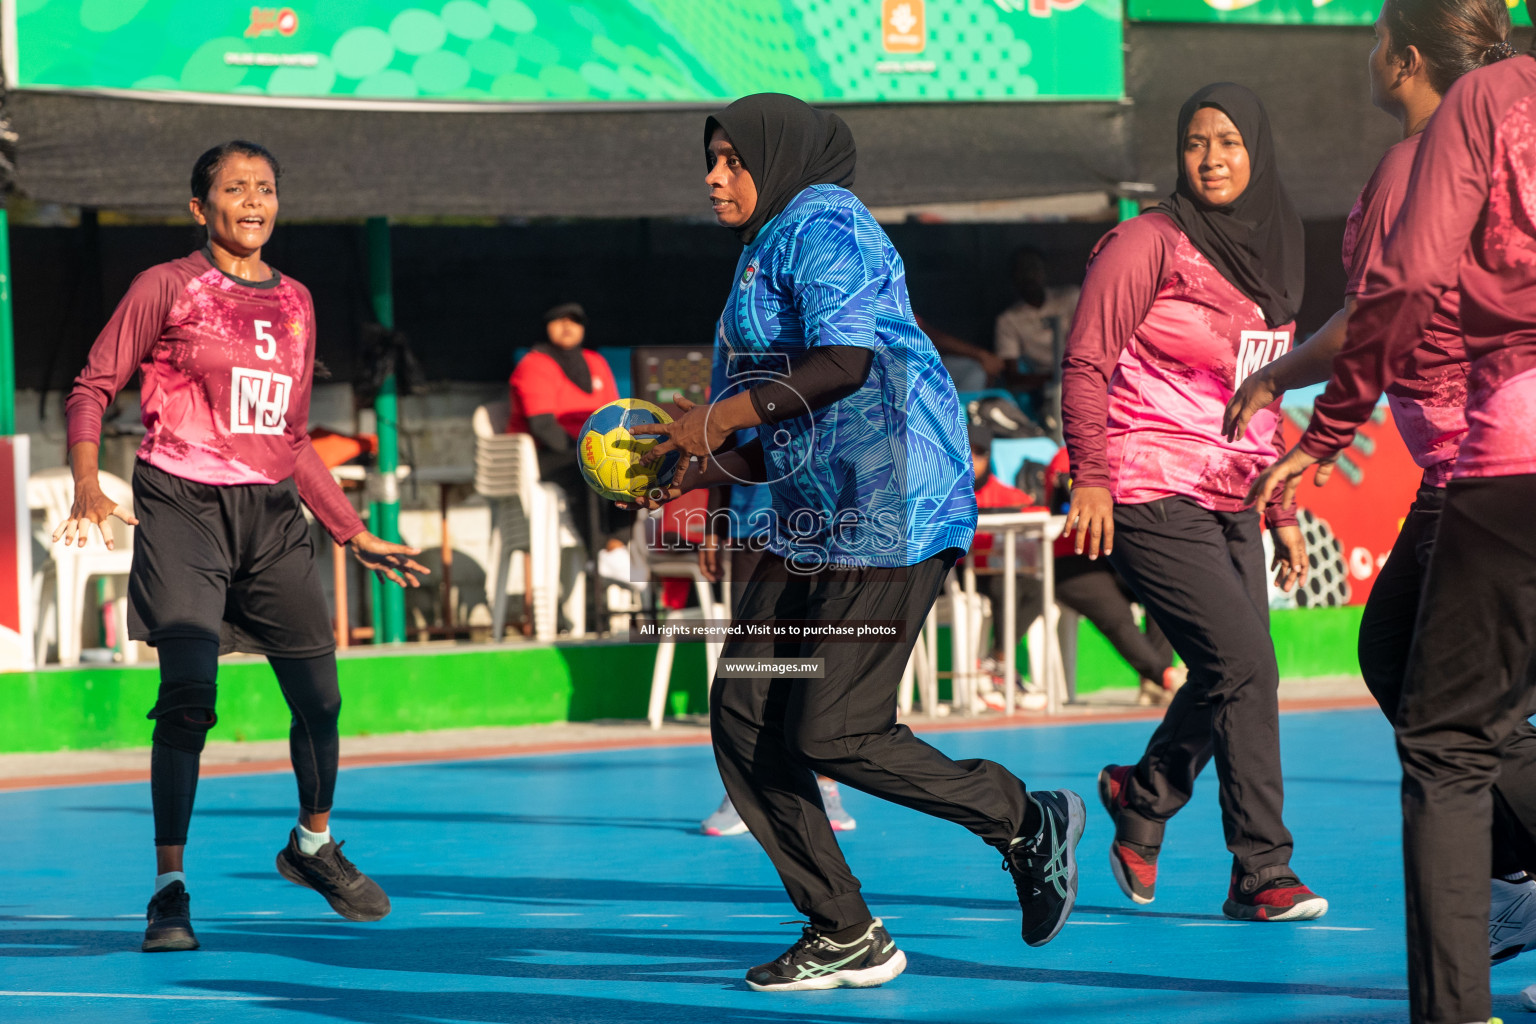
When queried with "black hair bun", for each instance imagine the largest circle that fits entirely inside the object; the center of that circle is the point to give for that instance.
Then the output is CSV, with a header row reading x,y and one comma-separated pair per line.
x,y
1499,51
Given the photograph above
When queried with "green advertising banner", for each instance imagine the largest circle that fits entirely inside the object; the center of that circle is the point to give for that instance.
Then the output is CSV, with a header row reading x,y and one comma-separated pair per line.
x,y
1276,12
552,52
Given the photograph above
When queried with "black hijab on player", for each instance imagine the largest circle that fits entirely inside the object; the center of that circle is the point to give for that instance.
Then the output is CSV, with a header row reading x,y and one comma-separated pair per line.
x,y
787,146
1256,240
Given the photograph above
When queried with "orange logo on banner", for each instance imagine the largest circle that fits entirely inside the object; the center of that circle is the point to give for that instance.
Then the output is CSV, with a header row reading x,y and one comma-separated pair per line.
x,y
904,26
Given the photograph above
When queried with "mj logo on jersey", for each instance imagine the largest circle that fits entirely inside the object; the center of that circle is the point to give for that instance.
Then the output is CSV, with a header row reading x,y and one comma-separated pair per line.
x,y
258,401
1256,349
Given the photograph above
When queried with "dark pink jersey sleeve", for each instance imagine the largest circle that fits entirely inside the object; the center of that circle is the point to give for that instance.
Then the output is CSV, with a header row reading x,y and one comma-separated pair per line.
x,y
325,498
317,488
1125,273
1446,195
1276,514
1375,212
121,346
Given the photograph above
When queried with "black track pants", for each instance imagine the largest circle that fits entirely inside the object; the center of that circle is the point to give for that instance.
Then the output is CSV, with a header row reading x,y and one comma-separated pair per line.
x,y
1386,636
1201,576
309,686
772,736
1468,689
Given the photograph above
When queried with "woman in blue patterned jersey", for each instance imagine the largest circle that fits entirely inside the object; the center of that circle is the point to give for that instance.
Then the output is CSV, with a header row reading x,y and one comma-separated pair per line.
x,y
862,443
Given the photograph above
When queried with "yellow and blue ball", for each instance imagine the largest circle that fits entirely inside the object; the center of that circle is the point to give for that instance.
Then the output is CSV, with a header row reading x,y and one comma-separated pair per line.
x,y
609,453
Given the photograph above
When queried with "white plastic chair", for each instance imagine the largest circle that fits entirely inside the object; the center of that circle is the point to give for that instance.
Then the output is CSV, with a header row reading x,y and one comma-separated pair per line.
x,y
922,672
507,473
53,492
708,608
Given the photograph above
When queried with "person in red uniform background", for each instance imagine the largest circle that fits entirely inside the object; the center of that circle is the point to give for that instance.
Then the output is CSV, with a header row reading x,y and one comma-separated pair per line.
x,y
555,387
222,560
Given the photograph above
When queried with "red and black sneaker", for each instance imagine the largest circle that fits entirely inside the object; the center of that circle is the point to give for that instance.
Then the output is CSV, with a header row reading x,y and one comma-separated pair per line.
x,y
1134,865
1112,781
1279,899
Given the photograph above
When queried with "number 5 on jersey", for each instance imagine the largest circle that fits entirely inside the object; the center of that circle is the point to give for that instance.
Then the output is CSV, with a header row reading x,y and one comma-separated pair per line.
x,y
268,347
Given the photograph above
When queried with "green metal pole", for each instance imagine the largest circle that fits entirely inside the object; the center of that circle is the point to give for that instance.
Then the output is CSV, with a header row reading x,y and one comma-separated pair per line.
x,y
7,334
389,601
1129,208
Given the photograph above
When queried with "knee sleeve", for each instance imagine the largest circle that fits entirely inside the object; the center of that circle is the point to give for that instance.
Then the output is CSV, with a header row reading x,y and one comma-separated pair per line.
x,y
185,728
184,713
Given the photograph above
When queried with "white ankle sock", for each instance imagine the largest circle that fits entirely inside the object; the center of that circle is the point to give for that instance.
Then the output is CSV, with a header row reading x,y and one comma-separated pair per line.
x,y
310,842
161,881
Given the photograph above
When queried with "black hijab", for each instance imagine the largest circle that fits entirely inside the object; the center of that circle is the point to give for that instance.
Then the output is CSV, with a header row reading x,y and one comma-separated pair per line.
x,y
787,146
1256,240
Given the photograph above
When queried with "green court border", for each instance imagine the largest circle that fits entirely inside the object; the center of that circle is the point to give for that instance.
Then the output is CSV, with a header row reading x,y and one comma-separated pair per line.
x,y
422,689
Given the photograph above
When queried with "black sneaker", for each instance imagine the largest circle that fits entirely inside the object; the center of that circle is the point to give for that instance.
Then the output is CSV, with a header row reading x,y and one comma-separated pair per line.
x,y
170,921
1044,868
816,962
350,893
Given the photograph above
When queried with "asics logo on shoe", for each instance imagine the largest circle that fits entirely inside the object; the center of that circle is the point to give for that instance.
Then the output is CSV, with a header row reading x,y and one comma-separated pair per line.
x,y
819,970
1056,868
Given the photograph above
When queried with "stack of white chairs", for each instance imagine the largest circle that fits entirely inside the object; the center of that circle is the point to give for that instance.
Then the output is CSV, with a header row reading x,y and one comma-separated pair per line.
x,y
52,491
507,475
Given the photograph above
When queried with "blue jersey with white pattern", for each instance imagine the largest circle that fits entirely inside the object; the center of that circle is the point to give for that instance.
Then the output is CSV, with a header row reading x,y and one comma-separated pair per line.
x,y
882,477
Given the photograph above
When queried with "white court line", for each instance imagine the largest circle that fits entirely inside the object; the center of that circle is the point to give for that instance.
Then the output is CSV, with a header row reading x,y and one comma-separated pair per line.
x,y
551,915
127,917
452,913
253,913
758,915
1212,924
47,917
1331,928
978,919
135,995
1100,923
650,915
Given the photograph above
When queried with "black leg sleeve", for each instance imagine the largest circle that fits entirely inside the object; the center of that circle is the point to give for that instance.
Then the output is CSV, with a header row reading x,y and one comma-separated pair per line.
x,y
310,687
183,714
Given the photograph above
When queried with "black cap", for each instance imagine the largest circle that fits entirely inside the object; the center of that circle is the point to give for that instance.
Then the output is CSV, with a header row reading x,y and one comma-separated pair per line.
x,y
566,311
981,437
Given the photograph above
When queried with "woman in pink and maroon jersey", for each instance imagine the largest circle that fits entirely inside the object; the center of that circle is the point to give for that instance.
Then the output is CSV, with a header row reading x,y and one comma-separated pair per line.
x,y
1179,305
1467,223
225,348
1422,48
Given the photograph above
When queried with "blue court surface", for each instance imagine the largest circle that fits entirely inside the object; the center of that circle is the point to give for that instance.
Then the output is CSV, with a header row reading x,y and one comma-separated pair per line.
x,y
575,888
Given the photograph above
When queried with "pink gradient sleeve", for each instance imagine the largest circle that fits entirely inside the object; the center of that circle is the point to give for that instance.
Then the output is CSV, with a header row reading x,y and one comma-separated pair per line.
x,y
1124,277
122,345
1445,198
317,488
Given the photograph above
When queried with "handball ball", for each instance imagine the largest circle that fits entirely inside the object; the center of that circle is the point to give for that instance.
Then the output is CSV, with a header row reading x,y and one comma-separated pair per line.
x,y
610,455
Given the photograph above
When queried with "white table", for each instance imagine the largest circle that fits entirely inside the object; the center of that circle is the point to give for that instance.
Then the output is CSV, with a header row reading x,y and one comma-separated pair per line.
x,y
1043,528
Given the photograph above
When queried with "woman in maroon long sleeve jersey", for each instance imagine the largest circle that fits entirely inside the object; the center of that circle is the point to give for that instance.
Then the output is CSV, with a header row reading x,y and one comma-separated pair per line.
x,y
1179,305
225,348
1467,221
1422,48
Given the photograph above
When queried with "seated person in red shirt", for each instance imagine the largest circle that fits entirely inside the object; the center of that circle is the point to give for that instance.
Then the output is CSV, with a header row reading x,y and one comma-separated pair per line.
x,y
1090,588
555,387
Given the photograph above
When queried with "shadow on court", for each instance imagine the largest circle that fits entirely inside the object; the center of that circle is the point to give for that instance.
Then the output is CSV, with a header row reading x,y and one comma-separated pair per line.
x,y
434,817
375,1006
588,955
